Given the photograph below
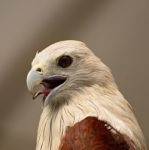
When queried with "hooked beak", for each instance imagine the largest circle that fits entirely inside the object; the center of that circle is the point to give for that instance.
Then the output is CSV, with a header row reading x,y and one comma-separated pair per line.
x,y
34,79
40,84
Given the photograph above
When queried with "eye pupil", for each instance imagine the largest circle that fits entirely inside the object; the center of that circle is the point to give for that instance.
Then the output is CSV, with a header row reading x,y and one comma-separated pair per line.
x,y
65,61
38,69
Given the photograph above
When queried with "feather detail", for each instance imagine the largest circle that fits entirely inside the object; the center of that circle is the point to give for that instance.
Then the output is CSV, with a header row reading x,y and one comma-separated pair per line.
x,y
92,134
91,101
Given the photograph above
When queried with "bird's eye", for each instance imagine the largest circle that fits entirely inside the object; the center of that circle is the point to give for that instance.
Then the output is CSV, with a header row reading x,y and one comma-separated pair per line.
x,y
65,61
38,70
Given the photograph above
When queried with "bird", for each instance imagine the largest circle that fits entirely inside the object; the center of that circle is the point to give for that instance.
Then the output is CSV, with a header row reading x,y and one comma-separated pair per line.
x,y
83,108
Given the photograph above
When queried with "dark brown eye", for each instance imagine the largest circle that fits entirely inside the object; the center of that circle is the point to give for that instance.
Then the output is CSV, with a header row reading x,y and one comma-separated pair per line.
x,y
38,70
65,61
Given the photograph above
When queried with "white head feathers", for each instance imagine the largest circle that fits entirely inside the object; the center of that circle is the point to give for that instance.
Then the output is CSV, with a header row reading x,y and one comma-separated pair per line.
x,y
89,90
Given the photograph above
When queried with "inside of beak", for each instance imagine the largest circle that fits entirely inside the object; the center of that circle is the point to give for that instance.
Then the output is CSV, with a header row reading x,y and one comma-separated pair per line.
x,y
49,84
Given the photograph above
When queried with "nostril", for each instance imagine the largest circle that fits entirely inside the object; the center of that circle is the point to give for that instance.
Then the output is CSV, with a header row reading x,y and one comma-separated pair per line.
x,y
39,70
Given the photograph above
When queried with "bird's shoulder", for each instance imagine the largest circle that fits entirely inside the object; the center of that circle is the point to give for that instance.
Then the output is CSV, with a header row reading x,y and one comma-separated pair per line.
x,y
91,134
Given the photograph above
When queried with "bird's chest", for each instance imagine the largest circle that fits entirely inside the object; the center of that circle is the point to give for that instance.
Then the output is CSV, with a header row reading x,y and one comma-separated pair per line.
x,y
50,132
87,134
52,128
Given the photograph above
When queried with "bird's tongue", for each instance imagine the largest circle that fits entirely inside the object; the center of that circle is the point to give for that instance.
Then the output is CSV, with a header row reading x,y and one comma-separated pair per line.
x,y
48,85
44,91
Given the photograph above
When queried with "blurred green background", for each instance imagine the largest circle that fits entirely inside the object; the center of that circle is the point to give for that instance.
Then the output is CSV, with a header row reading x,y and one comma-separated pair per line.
x,y
117,31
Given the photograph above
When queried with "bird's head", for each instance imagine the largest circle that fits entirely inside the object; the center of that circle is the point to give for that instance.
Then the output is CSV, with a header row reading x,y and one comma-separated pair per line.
x,y
63,68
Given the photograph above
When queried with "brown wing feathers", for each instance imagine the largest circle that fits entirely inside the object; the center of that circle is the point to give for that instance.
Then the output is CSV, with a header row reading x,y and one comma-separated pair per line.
x,y
92,134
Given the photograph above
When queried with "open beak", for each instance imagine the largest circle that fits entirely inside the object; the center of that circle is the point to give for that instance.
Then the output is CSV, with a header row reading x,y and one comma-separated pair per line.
x,y
39,84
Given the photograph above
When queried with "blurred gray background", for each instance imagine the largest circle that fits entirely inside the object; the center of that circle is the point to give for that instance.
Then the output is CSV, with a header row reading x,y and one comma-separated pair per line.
x,y
117,31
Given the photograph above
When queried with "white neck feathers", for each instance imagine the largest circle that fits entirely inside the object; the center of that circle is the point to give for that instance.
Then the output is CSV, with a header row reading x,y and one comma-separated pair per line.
x,y
107,105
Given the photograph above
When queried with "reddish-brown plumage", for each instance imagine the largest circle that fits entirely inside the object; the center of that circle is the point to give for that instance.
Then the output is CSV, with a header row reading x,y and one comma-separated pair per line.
x,y
92,134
